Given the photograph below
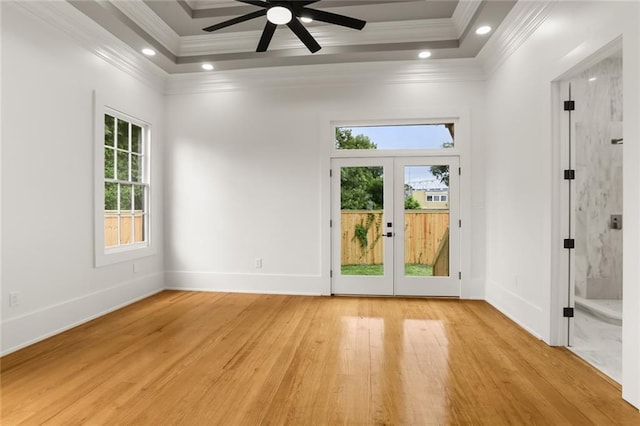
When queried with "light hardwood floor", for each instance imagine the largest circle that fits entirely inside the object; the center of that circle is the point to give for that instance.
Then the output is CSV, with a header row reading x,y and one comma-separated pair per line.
x,y
240,359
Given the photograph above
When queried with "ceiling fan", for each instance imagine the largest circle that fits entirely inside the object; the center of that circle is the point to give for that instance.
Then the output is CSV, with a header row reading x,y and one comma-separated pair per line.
x,y
280,12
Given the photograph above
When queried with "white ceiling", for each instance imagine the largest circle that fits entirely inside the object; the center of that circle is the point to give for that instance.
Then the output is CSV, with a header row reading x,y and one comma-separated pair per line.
x,y
395,30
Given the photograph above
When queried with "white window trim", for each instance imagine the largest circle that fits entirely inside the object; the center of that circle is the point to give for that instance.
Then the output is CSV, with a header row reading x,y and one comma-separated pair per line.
x,y
108,256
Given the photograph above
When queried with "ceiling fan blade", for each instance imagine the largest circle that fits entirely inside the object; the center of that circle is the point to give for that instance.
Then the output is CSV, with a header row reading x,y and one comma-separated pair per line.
x,y
237,20
333,18
255,2
304,35
267,34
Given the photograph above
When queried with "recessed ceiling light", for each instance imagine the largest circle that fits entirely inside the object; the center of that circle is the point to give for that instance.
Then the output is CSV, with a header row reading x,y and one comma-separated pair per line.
x,y
279,15
207,67
485,29
306,20
424,55
148,52
593,78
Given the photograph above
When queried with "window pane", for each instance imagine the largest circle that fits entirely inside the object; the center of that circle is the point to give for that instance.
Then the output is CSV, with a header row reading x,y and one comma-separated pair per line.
x,y
136,139
125,197
111,196
126,222
109,123
123,134
138,197
110,230
138,235
123,165
109,166
414,136
136,169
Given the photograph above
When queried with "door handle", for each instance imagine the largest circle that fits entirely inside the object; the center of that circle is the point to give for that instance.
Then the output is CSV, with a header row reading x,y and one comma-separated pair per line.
x,y
388,234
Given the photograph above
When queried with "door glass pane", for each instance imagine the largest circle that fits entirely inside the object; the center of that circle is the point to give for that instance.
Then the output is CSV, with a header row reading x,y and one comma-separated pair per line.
x,y
426,220
361,219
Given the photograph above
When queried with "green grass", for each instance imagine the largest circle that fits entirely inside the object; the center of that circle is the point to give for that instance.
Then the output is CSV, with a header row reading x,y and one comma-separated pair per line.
x,y
411,270
417,270
362,270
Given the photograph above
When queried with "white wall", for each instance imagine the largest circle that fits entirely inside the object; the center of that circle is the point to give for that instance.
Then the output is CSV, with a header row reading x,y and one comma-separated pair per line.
x,y
247,174
520,210
47,181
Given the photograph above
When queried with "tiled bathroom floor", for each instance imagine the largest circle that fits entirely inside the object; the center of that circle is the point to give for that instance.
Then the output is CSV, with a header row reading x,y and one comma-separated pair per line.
x,y
599,342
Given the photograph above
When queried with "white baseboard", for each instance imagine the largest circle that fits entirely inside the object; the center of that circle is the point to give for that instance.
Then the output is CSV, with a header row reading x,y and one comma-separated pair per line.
x,y
308,285
516,308
33,327
475,291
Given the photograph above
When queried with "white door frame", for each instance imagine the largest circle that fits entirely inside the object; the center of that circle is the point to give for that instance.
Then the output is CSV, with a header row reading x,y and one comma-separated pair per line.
x,y
432,286
393,281
380,285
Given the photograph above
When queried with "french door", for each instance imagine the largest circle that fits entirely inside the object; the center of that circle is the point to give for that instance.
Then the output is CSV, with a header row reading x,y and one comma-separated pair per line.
x,y
395,226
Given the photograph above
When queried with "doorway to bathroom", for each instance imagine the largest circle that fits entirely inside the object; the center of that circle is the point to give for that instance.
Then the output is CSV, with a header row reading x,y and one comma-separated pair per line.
x,y
593,192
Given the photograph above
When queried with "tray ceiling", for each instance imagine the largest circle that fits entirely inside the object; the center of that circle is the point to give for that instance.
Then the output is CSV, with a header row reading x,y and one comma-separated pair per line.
x,y
395,30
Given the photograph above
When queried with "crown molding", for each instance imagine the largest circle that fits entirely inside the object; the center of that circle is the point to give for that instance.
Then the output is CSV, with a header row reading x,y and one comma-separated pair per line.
x,y
146,19
523,20
209,4
86,33
399,72
326,35
463,14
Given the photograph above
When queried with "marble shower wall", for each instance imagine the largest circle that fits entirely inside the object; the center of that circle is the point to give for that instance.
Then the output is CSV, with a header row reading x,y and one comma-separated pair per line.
x,y
598,120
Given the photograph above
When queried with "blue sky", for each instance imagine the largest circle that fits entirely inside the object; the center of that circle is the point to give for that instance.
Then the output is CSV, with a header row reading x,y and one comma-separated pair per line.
x,y
409,137
406,136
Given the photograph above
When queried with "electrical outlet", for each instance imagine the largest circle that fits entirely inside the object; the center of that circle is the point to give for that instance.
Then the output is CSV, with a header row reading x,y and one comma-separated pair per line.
x,y
14,299
258,262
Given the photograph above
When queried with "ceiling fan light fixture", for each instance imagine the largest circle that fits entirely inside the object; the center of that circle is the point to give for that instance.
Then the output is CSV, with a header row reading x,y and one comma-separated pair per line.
x,y
279,15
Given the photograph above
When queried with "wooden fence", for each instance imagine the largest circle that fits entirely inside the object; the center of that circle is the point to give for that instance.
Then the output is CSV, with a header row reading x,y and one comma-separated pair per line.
x,y
424,231
111,229
441,263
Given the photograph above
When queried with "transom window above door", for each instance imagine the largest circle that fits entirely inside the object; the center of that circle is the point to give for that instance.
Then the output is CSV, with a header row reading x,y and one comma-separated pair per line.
x,y
396,136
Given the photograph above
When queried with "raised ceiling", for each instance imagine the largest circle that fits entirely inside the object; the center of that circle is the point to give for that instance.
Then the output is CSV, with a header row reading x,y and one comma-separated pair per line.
x,y
395,30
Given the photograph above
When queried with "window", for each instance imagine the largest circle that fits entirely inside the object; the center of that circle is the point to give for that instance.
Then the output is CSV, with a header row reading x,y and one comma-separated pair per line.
x,y
126,188
443,198
122,186
399,136
429,197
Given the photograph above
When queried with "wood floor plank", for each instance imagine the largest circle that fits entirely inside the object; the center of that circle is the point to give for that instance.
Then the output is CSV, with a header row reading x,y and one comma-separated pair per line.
x,y
189,358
